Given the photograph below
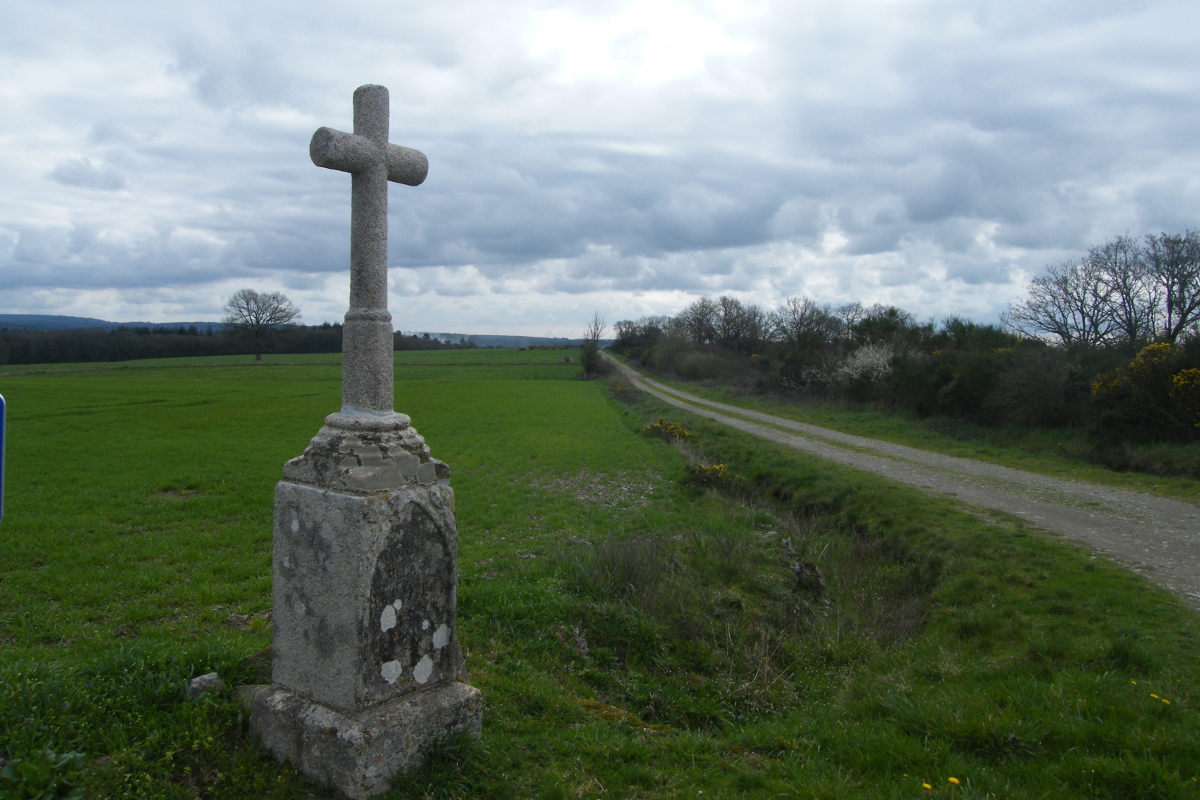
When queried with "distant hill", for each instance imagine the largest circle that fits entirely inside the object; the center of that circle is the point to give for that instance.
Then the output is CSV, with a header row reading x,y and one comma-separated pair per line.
x,y
52,322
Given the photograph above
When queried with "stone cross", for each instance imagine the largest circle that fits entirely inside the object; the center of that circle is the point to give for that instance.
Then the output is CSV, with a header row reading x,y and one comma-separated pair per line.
x,y
366,671
371,161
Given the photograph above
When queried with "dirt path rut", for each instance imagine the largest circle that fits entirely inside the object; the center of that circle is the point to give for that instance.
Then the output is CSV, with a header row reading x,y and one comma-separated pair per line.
x,y
1154,536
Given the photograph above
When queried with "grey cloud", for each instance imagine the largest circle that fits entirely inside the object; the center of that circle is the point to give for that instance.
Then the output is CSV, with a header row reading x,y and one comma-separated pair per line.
x,y
35,247
106,132
83,173
909,134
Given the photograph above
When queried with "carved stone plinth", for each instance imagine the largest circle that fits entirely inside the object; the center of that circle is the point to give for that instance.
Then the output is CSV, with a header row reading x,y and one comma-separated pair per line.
x,y
367,670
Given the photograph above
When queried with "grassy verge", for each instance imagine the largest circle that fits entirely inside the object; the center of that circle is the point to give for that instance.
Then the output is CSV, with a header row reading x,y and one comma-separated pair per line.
x,y
1066,453
642,624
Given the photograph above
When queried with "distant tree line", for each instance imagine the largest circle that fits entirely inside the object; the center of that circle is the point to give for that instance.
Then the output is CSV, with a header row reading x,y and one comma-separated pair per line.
x,y
1110,343
128,344
426,342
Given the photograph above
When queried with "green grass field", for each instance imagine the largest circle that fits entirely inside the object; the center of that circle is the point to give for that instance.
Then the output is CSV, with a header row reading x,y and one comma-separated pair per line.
x,y
640,626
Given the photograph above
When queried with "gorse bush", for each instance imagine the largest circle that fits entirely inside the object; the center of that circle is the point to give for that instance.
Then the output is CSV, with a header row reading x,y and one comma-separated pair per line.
x,y
1185,396
669,431
1154,394
707,476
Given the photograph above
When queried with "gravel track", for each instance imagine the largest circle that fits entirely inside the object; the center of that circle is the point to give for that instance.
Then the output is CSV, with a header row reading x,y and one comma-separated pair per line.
x,y
1154,536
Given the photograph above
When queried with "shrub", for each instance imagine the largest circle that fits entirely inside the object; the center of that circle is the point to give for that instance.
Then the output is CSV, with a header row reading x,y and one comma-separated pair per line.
x,y
864,370
672,432
1040,389
706,476
704,366
1185,396
668,352
1143,397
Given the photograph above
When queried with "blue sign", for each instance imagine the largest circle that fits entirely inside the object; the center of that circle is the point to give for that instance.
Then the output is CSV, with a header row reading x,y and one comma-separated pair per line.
x,y
1,456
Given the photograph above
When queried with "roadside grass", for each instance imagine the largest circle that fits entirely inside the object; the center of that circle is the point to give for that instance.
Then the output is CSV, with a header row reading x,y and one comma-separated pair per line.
x,y
1160,468
641,624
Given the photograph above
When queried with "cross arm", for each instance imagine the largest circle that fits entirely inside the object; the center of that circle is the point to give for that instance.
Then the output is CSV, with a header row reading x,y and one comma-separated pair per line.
x,y
406,165
350,152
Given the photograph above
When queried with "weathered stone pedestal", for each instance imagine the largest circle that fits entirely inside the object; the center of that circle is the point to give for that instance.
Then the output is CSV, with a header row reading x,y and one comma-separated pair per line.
x,y
367,670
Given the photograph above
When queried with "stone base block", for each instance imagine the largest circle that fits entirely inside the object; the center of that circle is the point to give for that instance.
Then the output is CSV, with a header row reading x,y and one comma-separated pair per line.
x,y
359,754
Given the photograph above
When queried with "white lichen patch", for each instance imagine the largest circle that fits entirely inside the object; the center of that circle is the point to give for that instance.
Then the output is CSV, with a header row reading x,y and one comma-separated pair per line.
x,y
392,670
387,620
424,624
423,669
441,637
295,525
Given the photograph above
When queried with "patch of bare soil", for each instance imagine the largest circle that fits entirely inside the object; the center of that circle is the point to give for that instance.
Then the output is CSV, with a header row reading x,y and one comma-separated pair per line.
x,y
617,490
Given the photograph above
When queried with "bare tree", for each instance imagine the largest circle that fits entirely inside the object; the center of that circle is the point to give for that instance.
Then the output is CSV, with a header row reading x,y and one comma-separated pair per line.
x,y
738,327
756,329
1134,303
258,316
805,322
812,334
850,314
699,321
589,355
1121,291
1173,263
1072,301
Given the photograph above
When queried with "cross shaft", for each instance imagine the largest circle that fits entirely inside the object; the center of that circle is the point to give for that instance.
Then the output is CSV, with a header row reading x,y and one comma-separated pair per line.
x,y
372,161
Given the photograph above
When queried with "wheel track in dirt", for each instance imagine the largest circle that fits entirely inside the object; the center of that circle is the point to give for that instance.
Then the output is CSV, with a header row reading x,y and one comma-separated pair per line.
x,y
1153,536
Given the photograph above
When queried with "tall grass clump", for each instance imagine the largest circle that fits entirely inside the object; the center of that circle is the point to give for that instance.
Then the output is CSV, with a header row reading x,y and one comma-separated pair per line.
x,y
130,707
706,627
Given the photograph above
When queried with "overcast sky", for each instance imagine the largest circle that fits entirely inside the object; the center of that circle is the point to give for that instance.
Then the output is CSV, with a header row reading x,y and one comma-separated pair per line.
x,y
625,158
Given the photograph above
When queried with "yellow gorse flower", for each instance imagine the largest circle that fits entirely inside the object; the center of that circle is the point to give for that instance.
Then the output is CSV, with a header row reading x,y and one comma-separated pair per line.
x,y
671,431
